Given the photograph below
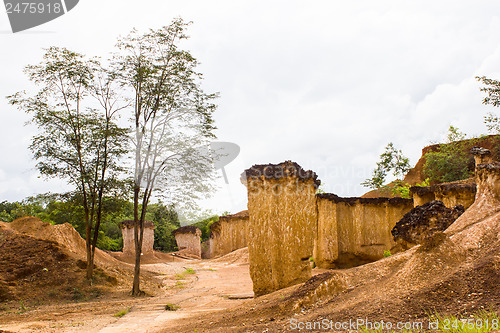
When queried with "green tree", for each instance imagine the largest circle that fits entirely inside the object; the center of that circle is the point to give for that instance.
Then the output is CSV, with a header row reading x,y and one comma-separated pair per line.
x,y
172,117
451,160
166,220
392,159
204,226
76,141
492,89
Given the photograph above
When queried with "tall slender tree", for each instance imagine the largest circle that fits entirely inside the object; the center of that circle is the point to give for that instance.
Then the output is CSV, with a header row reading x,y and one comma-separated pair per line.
x,y
78,139
173,120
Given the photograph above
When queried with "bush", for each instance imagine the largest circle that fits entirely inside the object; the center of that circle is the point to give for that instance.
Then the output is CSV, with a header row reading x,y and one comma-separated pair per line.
x,y
451,161
204,226
122,313
106,243
166,220
171,307
403,189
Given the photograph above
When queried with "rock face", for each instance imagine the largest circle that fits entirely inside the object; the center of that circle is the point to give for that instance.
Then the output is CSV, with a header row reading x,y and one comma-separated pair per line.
x,y
355,231
487,204
481,155
461,272
228,234
423,222
188,240
451,194
148,239
282,224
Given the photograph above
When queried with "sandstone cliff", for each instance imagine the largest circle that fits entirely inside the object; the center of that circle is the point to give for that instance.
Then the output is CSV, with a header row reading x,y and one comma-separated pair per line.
x,y
282,224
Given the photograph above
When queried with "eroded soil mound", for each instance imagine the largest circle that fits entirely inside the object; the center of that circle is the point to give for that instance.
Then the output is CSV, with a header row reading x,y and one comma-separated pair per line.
x,y
39,245
237,257
68,238
39,270
62,234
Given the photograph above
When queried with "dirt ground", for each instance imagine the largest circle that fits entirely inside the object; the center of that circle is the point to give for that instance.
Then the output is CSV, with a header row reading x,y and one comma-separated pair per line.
x,y
42,287
190,287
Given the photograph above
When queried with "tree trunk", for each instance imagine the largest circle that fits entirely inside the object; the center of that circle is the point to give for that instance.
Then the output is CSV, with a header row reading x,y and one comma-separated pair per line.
x,y
100,196
88,240
137,268
88,244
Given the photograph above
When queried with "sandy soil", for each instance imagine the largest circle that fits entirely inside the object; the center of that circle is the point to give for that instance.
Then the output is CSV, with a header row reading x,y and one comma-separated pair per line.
x,y
191,287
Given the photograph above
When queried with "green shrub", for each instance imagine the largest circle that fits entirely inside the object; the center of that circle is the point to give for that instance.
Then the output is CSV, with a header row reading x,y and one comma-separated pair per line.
x,y
171,307
451,161
402,189
311,259
122,313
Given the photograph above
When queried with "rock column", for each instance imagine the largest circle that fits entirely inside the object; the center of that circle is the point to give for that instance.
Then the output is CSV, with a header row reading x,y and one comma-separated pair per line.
x,y
188,240
282,224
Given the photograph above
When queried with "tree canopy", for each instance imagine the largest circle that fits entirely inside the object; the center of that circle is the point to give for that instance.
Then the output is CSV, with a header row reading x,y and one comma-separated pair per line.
x,y
172,121
391,159
78,139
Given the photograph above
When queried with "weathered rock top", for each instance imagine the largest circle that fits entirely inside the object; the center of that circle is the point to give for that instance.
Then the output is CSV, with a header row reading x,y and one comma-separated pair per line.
x,y
278,171
241,215
353,200
188,229
215,227
494,166
480,151
481,155
443,188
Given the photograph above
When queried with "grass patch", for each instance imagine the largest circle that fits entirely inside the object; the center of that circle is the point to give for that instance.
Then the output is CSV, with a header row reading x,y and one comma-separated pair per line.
x,y
182,276
171,307
122,313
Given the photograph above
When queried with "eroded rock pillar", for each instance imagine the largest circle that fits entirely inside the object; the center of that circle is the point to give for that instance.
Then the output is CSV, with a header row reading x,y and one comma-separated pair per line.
x,y
188,240
282,224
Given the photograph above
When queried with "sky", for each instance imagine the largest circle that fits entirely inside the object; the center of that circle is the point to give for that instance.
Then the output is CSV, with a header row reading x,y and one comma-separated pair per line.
x,y
326,84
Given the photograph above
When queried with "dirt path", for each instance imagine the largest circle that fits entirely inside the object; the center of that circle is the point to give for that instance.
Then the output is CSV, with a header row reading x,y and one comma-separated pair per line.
x,y
193,287
213,286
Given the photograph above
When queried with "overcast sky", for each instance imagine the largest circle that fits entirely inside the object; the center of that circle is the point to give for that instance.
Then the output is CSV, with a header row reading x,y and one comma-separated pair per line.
x,y
326,84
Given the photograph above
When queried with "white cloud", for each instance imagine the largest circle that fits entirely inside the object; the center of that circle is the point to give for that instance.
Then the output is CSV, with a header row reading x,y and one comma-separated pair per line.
x,y
325,83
